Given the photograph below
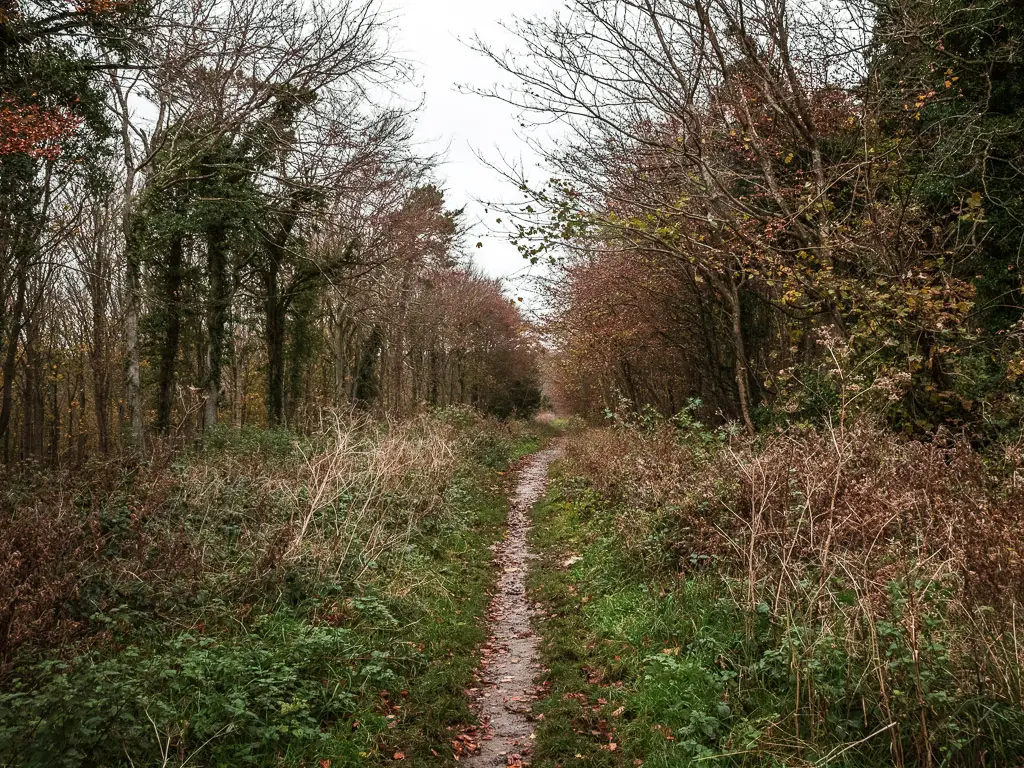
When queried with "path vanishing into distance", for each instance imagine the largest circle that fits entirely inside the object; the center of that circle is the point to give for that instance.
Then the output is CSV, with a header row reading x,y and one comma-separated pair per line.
x,y
509,663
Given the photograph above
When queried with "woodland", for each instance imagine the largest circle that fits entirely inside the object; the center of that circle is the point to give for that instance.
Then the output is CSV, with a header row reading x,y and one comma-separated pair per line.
x,y
207,219
285,479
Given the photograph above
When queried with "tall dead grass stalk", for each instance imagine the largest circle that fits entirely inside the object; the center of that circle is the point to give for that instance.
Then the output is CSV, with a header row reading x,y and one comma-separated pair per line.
x,y
365,486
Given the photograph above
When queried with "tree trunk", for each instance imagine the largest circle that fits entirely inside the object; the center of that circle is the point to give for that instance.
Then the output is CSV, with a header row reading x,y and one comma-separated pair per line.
x,y
399,353
435,375
275,330
34,401
340,356
100,382
132,275
133,302
367,382
55,422
276,309
82,448
740,357
217,308
11,358
172,334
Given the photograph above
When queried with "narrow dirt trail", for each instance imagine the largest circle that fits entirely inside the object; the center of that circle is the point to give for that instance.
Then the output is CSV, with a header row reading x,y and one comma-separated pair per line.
x,y
510,660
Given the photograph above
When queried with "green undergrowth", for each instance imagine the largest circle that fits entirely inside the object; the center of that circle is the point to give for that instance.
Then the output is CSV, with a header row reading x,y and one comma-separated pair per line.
x,y
227,662
646,667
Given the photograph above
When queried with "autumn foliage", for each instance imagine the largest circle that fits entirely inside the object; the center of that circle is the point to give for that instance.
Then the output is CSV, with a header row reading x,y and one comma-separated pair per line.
x,y
33,130
758,186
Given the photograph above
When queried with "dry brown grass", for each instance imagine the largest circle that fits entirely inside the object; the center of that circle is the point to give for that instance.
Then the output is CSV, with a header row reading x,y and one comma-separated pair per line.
x,y
892,564
860,500
364,488
234,520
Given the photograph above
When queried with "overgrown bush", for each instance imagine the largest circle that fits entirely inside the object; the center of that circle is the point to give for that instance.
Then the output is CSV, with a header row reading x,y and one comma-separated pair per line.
x,y
880,578
210,699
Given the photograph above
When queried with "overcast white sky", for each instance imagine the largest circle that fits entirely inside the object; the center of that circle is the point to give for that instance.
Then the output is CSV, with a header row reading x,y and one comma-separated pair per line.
x,y
428,34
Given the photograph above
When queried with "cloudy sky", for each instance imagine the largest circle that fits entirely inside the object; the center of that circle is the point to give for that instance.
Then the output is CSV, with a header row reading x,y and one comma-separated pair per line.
x,y
433,34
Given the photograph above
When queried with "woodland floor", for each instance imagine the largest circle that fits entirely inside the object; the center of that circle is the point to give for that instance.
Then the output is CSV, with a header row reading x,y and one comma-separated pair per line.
x,y
532,615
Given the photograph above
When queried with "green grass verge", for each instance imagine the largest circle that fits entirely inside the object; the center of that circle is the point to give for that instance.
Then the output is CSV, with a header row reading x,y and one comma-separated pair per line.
x,y
449,625
637,671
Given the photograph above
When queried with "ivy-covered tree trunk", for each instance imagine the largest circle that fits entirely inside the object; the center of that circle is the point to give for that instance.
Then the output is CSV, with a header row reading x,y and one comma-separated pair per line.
x,y
172,308
217,310
367,385
275,305
274,331
300,351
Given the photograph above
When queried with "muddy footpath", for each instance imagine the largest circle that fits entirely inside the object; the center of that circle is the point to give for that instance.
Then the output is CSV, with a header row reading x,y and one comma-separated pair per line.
x,y
510,661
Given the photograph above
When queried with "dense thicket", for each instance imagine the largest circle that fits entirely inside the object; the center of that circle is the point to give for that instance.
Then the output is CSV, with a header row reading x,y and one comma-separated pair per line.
x,y
783,207
205,216
804,597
